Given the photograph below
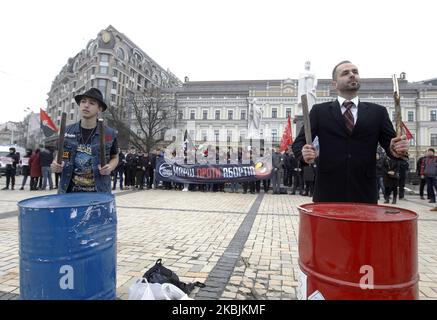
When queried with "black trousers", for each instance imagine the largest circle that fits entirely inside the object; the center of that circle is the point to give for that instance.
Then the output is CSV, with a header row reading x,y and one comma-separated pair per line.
x,y
57,177
389,190
10,177
258,186
422,186
266,185
298,182
130,176
251,186
401,187
118,174
139,177
309,187
288,178
431,185
35,183
150,179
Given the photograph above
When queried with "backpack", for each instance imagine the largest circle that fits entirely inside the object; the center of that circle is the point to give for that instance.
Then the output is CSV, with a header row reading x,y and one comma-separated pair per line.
x,y
160,274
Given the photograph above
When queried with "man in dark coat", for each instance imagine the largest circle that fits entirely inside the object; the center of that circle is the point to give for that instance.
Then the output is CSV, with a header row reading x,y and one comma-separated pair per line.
x,y
297,165
380,159
140,165
151,166
430,172
277,171
420,167
46,159
349,131
119,170
130,169
404,168
391,168
11,168
288,170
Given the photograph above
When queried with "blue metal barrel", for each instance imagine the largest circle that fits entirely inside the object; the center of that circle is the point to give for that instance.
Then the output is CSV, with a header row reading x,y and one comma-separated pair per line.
x,y
68,247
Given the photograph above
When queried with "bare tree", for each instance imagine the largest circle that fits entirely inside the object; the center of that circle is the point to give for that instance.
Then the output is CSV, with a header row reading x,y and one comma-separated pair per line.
x,y
150,113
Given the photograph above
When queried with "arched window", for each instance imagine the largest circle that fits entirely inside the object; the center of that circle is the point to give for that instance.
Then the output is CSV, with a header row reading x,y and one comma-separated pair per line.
x,y
75,65
120,53
138,57
93,49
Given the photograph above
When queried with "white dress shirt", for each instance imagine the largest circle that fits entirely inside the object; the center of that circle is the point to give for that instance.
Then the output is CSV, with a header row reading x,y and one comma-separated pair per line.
x,y
354,108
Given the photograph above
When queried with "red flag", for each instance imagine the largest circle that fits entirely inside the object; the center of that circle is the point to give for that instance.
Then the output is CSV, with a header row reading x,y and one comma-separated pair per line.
x,y
407,132
286,139
47,125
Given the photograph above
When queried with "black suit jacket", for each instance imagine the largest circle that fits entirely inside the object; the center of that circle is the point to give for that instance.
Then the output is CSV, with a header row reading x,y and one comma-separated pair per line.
x,y
347,162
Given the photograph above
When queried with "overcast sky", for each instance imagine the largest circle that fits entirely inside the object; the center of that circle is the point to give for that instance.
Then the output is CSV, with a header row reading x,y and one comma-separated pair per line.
x,y
216,39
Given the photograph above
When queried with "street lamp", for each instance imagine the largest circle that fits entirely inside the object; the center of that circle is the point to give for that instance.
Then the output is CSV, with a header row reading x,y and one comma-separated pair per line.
x,y
26,122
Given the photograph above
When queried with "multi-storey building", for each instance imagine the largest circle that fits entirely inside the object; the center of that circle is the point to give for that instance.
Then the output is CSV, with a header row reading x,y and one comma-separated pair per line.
x,y
112,63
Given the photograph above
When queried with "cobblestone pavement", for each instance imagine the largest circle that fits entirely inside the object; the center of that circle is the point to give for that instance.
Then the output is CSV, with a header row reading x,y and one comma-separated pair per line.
x,y
242,246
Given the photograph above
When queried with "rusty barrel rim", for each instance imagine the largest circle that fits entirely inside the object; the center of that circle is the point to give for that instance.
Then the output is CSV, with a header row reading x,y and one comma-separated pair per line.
x,y
386,213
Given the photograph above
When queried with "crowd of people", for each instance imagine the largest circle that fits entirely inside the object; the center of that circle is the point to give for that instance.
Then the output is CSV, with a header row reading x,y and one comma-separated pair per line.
x,y
35,168
391,174
136,170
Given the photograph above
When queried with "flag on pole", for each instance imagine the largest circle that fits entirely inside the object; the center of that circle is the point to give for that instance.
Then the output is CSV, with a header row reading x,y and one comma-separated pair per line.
x,y
286,139
187,145
407,132
47,125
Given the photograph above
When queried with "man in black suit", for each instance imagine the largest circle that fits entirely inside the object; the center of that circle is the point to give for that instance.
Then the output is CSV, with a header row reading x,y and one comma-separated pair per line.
x,y
349,131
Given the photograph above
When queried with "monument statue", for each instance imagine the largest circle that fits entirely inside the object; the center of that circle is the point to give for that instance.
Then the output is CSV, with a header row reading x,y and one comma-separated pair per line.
x,y
255,115
307,85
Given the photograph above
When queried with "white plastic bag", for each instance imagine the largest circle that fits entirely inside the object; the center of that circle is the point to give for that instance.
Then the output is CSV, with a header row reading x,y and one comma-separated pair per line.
x,y
141,290
174,293
158,292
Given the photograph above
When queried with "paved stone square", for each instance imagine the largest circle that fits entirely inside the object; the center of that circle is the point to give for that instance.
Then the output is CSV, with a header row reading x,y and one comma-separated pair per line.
x,y
242,246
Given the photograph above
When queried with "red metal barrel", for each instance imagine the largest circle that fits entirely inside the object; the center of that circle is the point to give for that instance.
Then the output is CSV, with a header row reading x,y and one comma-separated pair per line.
x,y
357,251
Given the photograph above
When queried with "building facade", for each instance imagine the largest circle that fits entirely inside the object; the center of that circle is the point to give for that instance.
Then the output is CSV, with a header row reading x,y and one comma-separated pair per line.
x,y
11,133
33,136
113,64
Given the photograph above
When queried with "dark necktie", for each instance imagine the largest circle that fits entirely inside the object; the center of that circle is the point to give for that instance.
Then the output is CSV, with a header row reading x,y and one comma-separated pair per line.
x,y
348,116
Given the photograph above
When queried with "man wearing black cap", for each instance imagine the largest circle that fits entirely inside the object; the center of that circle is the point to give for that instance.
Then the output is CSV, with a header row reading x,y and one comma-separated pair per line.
x,y
81,170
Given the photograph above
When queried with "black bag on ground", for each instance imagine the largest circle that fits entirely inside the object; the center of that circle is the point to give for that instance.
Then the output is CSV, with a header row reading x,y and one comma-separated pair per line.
x,y
160,274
